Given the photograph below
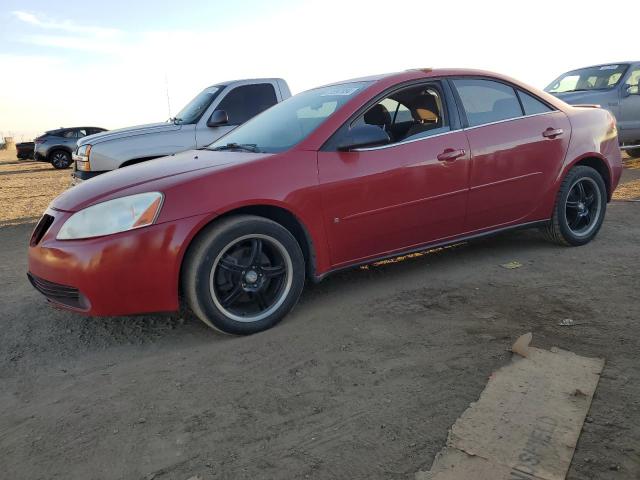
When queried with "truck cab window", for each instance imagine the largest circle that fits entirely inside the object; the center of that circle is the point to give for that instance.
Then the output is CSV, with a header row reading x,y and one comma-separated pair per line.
x,y
245,102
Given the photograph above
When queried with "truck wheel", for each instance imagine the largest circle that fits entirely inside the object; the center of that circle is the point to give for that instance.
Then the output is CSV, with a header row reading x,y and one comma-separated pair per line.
x,y
243,274
634,152
580,207
60,159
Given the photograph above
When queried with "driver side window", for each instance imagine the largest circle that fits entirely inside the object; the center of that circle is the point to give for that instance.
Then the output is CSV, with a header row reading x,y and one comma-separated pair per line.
x,y
634,81
408,114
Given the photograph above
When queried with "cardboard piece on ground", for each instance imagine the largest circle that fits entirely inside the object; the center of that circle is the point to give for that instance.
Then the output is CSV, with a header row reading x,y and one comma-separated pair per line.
x,y
526,423
521,345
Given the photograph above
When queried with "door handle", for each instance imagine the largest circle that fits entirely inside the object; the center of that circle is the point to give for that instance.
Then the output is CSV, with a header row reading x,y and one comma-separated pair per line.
x,y
552,132
450,154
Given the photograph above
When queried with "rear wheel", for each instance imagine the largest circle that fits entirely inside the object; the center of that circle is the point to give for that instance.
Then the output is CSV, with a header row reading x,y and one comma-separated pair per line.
x,y
633,152
60,159
243,274
580,208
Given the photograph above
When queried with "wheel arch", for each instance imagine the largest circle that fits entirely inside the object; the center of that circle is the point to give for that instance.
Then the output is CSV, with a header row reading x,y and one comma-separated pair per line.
x,y
599,164
276,213
57,148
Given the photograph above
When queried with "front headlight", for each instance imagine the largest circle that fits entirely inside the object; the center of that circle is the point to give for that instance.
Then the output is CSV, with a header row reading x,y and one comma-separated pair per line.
x,y
82,158
113,216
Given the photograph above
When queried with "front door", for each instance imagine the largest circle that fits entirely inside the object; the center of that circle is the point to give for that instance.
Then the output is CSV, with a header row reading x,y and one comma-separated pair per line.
x,y
629,119
412,191
518,143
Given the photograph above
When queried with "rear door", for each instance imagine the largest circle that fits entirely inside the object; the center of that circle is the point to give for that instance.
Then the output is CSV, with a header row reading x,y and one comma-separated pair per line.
x,y
386,199
71,138
241,104
629,118
518,144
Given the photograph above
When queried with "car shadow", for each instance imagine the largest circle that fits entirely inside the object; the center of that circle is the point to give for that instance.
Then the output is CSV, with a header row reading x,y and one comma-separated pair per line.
x,y
48,329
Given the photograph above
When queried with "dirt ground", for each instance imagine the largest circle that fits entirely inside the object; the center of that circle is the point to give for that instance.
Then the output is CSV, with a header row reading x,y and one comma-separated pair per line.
x,y
362,380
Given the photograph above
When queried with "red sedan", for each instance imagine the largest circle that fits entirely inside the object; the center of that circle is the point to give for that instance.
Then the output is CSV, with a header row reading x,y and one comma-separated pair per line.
x,y
333,177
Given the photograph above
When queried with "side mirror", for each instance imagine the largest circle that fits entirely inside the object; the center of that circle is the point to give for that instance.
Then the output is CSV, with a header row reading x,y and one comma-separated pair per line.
x,y
217,118
631,90
364,136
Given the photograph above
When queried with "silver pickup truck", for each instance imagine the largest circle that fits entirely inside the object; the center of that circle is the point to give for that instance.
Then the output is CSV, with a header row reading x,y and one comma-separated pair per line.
x,y
212,113
612,86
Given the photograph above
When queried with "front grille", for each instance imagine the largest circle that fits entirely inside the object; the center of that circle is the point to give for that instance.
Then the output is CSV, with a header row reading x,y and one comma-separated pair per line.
x,y
55,292
41,228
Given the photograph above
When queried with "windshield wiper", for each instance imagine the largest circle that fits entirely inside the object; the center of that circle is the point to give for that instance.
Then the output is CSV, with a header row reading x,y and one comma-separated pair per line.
x,y
247,147
584,89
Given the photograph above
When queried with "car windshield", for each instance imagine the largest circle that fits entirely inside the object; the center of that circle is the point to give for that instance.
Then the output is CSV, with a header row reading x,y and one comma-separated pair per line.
x,y
593,78
288,123
192,112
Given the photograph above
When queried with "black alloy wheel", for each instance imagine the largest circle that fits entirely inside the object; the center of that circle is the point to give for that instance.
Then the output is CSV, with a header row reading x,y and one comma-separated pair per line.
x,y
243,274
580,207
250,277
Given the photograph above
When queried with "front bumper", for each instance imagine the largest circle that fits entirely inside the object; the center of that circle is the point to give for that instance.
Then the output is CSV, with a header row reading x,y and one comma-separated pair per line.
x,y
122,274
79,176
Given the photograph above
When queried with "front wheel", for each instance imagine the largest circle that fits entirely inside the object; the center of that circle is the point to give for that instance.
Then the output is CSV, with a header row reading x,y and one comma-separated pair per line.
x,y
580,208
243,274
60,159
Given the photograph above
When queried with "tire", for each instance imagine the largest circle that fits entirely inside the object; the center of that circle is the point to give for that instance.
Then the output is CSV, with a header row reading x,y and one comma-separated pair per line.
x,y
633,152
580,208
60,159
232,276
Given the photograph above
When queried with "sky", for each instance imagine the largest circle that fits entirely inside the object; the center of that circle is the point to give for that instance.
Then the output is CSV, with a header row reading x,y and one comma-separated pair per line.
x,y
121,63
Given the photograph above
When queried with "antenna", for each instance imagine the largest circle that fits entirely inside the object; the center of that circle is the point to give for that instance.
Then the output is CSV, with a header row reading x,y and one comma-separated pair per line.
x,y
166,85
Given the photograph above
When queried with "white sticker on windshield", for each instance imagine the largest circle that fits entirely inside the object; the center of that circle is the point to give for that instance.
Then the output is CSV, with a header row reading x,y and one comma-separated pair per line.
x,y
609,67
339,91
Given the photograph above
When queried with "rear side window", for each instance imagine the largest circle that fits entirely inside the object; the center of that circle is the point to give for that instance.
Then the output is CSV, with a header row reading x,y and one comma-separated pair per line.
x,y
486,101
531,104
69,134
245,102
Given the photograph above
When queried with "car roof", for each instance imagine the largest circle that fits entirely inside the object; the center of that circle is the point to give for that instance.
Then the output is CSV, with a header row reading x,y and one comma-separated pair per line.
x,y
417,73
62,129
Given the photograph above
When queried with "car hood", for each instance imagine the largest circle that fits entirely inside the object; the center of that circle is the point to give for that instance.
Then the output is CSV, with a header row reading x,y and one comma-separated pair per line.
x,y
148,176
129,132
